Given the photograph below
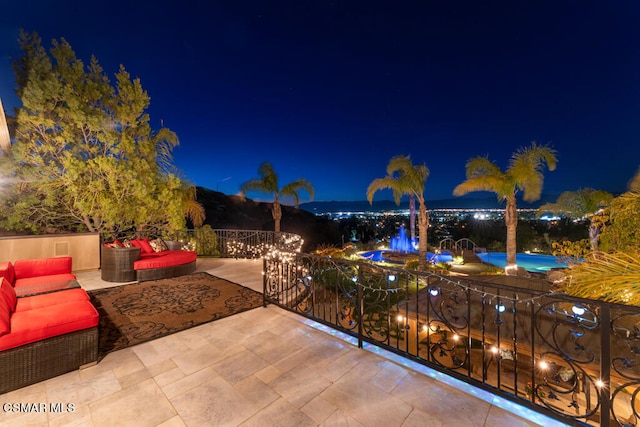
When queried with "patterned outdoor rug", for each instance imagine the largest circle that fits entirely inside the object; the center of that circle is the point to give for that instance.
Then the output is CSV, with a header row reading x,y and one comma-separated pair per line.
x,y
135,313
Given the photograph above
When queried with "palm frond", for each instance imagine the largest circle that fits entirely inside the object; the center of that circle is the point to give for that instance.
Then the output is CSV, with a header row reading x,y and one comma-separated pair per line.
x,y
293,188
494,183
613,277
634,183
399,164
386,183
481,166
269,177
165,141
254,184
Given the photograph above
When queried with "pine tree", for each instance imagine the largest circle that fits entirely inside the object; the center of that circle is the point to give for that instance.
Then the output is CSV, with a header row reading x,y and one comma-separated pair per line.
x,y
85,157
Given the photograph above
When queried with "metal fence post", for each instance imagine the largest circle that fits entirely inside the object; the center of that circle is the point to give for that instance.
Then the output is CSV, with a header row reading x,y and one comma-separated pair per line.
x,y
605,365
360,304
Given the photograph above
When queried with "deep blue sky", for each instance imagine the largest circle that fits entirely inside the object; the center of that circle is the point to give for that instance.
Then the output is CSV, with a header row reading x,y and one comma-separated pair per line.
x,y
329,91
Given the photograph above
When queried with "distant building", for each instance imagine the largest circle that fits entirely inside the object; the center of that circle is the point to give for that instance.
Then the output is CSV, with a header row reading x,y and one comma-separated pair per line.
x,y
5,142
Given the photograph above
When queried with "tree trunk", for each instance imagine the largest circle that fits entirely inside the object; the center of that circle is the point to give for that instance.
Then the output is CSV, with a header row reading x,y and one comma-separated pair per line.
x,y
594,233
412,217
511,219
276,211
423,218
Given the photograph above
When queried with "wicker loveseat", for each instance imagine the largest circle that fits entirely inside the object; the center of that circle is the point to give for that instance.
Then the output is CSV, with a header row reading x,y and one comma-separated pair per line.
x,y
43,335
145,260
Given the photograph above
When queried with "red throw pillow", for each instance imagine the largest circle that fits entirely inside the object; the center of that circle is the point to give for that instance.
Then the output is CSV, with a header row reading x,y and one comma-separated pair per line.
x,y
8,294
118,243
5,318
6,270
145,246
135,243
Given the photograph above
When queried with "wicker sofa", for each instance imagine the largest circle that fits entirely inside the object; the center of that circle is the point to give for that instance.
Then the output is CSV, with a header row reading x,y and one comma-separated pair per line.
x,y
43,335
38,275
144,260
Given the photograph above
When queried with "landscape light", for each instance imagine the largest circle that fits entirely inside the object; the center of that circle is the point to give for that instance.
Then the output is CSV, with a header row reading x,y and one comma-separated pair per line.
x,y
434,292
578,310
510,268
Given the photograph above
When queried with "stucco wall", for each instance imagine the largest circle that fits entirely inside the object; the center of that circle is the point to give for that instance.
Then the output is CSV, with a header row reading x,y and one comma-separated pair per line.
x,y
84,248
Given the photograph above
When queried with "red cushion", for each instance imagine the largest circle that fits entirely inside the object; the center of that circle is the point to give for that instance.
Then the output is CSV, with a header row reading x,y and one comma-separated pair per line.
x,y
29,281
7,271
42,267
145,246
52,298
5,318
135,243
165,259
152,255
36,325
8,293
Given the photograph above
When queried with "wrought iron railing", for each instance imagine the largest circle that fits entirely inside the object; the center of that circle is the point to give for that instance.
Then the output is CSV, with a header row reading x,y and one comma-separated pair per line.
x,y
569,358
231,243
459,245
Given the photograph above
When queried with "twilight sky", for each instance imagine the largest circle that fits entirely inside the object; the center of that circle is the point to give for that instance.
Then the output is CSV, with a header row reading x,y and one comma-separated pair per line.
x,y
329,91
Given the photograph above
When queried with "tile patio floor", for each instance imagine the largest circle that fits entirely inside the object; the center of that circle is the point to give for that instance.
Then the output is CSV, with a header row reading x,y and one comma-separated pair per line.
x,y
264,367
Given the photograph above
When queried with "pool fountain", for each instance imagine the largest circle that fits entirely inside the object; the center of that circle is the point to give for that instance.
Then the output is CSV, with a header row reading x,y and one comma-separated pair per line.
x,y
400,248
401,242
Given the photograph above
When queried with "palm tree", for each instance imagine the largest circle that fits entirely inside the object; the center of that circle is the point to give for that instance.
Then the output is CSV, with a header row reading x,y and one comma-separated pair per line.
x,y
405,178
523,174
268,183
584,203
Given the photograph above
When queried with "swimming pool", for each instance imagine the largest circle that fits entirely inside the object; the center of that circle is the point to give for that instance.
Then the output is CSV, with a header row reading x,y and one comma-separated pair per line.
x,y
381,256
535,263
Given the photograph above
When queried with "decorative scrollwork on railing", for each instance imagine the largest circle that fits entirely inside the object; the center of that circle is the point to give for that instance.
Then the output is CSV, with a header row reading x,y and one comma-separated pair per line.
x,y
446,326
379,292
571,333
347,312
625,398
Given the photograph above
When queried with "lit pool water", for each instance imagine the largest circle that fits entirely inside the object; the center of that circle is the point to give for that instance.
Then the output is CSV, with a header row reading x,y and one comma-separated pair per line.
x,y
379,256
535,263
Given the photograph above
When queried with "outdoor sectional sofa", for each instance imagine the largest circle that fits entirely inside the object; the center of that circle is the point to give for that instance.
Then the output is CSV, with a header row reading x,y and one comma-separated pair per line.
x,y
32,276
145,260
46,334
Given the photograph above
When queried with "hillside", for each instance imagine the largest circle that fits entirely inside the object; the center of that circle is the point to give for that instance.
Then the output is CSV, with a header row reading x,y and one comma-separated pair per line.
x,y
225,211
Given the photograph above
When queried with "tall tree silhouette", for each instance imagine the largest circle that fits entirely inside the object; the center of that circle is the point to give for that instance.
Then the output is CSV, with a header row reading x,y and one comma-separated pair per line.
x,y
403,177
268,183
523,174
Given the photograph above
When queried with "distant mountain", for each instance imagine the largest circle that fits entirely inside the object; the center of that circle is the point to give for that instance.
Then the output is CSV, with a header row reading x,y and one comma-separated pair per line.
x,y
386,205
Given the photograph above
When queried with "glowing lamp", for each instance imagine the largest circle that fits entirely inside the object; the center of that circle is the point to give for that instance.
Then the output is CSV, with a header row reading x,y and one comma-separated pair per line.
x,y
578,310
